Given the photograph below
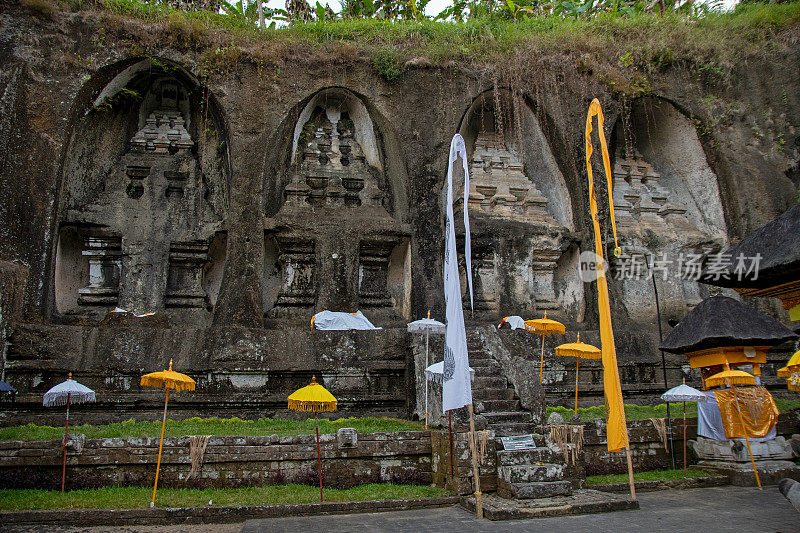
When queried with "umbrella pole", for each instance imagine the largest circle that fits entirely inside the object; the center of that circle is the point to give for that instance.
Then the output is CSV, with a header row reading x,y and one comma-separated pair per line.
x,y
577,363
319,456
160,446
450,424
64,448
684,439
427,335
541,363
472,444
746,440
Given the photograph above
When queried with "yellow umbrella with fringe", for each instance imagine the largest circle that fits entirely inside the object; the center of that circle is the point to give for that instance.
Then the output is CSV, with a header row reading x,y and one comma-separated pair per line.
x,y
578,350
167,379
792,372
544,326
733,378
314,398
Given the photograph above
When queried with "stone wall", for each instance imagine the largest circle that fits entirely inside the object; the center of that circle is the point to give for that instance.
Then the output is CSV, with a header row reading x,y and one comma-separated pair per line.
x,y
233,196
400,457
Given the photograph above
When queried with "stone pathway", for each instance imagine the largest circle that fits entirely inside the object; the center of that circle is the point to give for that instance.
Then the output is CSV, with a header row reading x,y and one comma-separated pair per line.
x,y
740,509
708,510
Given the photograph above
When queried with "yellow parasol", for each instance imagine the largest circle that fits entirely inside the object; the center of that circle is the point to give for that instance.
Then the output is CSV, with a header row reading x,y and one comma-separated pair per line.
x,y
578,350
733,378
792,372
313,398
167,379
544,326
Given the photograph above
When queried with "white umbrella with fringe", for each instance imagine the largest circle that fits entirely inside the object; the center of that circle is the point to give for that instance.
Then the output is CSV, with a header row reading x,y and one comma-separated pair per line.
x,y
426,326
65,393
684,393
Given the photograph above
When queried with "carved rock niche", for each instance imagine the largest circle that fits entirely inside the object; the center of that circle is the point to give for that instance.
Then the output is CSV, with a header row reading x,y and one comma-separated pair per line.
x,y
521,210
667,205
336,242
141,230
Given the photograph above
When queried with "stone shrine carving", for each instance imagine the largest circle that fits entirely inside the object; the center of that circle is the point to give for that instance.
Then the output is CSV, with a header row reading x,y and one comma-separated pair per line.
x,y
640,199
146,234
350,253
332,170
498,186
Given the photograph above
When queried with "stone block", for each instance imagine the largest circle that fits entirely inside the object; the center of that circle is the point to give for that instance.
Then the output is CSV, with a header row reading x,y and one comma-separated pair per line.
x,y
347,438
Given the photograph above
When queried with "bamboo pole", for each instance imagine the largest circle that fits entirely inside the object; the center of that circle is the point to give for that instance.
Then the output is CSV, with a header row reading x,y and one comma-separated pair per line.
x,y
427,336
450,425
630,472
684,438
478,494
541,364
577,364
64,444
160,446
319,456
746,440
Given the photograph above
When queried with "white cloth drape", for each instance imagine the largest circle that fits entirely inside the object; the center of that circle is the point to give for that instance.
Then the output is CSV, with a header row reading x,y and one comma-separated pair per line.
x,y
456,387
336,320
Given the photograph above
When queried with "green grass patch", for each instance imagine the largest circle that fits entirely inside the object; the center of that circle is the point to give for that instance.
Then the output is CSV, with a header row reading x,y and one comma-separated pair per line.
x,y
653,475
643,412
139,497
211,426
619,49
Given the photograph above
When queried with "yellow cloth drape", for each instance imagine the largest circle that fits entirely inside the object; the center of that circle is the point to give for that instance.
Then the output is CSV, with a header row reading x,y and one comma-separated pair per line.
x,y
617,430
759,412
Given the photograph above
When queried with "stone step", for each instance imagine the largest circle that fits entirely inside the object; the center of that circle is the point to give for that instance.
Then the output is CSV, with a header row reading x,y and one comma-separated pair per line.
x,y
532,473
540,454
530,491
504,417
490,406
487,368
506,393
512,429
489,382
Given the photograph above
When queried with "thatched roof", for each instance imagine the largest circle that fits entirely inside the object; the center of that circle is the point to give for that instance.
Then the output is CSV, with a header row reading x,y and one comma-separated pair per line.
x,y
778,243
721,321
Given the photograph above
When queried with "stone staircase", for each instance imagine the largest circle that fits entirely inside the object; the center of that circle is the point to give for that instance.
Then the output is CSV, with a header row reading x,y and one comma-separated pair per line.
x,y
495,399
538,472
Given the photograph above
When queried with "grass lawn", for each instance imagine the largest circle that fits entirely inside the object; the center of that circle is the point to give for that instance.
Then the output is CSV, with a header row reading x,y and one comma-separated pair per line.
x,y
653,475
139,497
211,426
643,412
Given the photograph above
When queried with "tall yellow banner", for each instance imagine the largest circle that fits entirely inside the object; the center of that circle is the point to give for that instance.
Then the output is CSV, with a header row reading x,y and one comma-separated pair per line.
x,y
616,428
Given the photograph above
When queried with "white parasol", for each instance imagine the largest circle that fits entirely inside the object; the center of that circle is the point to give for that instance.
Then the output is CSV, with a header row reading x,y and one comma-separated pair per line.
x,y
426,326
65,393
684,393
436,370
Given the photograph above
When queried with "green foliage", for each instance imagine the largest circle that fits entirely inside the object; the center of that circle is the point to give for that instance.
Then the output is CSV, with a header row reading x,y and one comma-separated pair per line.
x,y
387,62
211,426
139,497
643,412
121,98
652,475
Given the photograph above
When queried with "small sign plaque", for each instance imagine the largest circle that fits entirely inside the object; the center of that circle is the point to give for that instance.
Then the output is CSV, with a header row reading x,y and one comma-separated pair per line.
x,y
518,442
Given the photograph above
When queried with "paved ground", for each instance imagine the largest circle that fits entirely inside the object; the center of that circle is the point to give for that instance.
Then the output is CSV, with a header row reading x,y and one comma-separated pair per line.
x,y
708,510
697,511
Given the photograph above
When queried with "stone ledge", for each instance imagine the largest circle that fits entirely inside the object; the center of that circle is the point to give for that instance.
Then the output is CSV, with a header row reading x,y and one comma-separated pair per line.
x,y
212,515
674,484
580,502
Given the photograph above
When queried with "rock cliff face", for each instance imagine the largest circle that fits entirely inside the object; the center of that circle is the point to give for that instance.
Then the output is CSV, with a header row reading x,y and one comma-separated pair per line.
x,y
233,200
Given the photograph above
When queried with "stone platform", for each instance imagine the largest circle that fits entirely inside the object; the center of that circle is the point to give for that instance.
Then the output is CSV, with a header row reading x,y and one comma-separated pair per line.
x,y
579,502
741,474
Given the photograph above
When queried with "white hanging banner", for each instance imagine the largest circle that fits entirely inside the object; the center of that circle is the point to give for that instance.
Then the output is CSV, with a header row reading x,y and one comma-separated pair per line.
x,y
456,387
